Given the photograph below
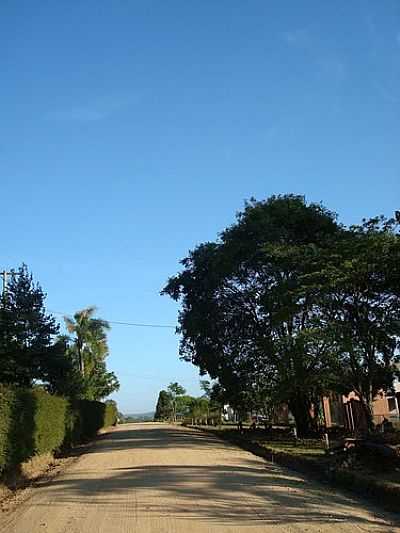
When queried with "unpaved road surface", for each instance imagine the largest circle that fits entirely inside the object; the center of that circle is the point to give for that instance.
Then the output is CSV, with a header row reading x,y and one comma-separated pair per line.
x,y
158,478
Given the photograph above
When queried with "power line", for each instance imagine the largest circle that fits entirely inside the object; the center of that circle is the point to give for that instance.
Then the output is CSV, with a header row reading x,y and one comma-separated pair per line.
x,y
135,324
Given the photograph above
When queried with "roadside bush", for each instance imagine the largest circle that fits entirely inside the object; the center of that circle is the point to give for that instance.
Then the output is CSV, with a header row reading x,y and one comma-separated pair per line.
x,y
21,435
33,422
8,400
49,422
73,426
89,419
86,417
111,414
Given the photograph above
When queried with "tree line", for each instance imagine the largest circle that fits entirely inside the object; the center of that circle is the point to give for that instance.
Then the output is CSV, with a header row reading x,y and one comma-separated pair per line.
x,y
175,404
288,305
34,353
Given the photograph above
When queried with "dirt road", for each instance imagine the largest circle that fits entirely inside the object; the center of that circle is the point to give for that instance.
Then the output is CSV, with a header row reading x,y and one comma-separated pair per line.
x,y
158,478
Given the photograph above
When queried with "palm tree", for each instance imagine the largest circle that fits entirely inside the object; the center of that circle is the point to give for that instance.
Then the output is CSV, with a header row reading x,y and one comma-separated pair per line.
x,y
90,337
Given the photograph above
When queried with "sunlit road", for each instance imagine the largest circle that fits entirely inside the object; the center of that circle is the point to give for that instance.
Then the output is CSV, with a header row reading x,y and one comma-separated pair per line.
x,y
158,478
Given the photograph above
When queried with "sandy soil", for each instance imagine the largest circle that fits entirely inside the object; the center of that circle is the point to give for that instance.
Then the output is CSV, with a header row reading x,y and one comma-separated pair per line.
x,y
160,478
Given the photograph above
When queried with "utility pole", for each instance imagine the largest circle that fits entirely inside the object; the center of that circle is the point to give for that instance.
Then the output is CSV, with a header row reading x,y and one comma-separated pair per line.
x,y
5,275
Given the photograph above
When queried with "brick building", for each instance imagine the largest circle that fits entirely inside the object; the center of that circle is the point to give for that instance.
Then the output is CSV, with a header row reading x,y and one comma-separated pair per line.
x,y
347,411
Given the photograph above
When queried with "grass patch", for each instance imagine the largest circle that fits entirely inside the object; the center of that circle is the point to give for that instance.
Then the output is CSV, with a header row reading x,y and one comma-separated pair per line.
x,y
303,448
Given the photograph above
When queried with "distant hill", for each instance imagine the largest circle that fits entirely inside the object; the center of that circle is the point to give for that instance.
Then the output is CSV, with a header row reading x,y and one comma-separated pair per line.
x,y
139,417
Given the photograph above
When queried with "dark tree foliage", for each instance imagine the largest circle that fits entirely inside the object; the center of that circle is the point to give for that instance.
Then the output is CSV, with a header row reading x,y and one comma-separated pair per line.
x,y
288,305
27,349
362,283
217,397
249,315
61,375
163,407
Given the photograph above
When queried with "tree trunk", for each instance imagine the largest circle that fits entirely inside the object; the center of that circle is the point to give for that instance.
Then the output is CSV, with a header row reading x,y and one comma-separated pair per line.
x,y
366,397
367,404
300,407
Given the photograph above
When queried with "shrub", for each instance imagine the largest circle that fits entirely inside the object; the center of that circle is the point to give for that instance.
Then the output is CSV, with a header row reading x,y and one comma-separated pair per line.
x,y
90,417
7,409
73,424
33,422
111,414
49,422
17,424
85,418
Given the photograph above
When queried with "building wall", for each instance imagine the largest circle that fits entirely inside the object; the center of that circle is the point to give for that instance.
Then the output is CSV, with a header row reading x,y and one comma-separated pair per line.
x,y
347,410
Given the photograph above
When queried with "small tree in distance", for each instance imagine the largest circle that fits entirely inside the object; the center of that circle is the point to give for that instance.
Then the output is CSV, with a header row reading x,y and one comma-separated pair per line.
x,y
163,407
176,391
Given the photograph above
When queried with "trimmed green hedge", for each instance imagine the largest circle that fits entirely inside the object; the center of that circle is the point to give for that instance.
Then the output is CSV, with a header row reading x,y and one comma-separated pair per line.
x,y
110,414
33,422
86,417
49,421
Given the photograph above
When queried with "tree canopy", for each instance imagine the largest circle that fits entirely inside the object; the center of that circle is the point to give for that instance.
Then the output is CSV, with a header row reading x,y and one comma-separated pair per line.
x,y
29,350
88,349
164,406
265,308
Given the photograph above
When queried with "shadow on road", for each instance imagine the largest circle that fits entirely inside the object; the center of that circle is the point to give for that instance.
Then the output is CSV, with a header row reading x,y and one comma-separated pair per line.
x,y
161,437
226,493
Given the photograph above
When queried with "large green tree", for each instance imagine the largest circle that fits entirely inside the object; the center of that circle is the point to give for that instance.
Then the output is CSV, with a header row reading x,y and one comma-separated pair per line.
x,y
250,316
287,305
361,284
29,350
176,392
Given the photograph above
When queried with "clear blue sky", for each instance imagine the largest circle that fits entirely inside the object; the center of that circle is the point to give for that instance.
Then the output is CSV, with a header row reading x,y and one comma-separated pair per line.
x,y
133,130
